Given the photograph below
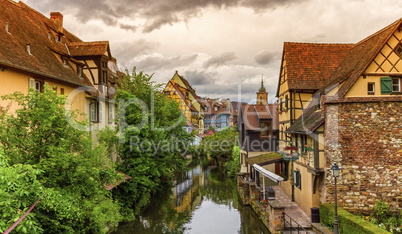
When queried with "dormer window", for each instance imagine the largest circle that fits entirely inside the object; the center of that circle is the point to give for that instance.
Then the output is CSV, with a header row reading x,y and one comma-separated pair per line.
x,y
29,49
79,71
216,108
57,38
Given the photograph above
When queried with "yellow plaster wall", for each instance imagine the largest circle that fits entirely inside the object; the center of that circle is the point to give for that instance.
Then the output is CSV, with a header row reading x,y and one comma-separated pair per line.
x,y
304,197
12,81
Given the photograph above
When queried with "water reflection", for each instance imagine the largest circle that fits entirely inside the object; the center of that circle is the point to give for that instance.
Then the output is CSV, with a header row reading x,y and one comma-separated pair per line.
x,y
203,200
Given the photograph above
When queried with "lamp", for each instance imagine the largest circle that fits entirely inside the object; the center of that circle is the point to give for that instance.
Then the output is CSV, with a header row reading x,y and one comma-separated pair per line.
x,y
335,170
335,173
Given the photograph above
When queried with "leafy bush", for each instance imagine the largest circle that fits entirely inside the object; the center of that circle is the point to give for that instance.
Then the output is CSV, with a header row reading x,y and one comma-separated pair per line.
x,y
348,223
385,219
233,165
43,156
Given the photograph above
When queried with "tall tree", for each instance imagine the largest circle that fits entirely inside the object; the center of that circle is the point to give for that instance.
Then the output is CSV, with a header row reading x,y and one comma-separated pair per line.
x,y
152,140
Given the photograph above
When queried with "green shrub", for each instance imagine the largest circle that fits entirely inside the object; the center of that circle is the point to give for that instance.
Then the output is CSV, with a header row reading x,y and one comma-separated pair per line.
x,y
348,223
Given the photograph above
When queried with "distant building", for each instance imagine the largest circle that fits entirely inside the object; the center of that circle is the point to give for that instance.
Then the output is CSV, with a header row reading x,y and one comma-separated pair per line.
x,y
217,113
36,50
180,90
258,127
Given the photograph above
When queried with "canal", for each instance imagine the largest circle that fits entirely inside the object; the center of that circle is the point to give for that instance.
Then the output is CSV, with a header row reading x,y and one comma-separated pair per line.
x,y
202,200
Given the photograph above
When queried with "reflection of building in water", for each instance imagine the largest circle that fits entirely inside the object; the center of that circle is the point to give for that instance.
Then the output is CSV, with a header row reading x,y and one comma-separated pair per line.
x,y
186,194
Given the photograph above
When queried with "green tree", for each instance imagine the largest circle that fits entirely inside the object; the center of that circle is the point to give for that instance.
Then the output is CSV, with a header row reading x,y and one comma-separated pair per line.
x,y
57,163
220,145
152,140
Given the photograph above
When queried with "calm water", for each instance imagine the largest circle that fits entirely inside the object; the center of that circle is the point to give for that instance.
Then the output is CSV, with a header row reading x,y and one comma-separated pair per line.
x,y
203,201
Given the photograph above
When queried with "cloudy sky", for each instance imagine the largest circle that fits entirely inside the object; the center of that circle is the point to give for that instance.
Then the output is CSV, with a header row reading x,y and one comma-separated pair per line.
x,y
222,47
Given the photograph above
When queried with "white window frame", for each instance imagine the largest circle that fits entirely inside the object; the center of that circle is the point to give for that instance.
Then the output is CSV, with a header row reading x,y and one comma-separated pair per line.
x,y
371,91
396,87
94,112
111,113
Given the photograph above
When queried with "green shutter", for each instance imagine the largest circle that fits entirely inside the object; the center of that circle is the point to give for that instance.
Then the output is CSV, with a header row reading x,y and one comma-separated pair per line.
x,y
386,85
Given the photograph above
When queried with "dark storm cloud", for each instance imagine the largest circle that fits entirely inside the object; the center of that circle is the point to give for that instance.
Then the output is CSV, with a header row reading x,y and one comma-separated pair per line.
x,y
220,59
155,12
200,77
265,57
126,49
156,62
128,27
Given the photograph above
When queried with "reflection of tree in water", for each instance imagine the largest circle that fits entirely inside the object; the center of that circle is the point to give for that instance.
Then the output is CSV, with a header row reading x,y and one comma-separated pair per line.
x,y
171,211
220,189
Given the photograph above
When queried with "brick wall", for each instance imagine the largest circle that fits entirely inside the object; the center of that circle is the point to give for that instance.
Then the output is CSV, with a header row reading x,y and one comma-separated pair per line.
x,y
366,141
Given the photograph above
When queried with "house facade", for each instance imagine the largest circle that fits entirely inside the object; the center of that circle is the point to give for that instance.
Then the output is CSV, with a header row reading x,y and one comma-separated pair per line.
x,y
351,120
217,113
305,68
258,128
180,90
36,50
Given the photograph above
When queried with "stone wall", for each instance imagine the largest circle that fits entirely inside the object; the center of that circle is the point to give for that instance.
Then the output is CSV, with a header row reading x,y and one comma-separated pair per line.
x,y
365,139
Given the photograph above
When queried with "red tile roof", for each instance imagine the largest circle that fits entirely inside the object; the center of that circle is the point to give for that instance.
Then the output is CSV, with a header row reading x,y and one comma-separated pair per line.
x,y
309,65
252,114
360,57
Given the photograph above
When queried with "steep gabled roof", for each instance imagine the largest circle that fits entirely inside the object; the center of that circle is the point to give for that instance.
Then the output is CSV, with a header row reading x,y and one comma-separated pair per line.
x,y
28,26
253,114
309,65
360,57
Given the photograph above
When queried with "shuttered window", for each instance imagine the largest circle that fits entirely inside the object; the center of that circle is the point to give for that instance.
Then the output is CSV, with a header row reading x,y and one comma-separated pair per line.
x,y
386,85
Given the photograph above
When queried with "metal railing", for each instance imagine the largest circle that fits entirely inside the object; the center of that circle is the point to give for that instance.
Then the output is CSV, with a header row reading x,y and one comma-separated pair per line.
x,y
292,226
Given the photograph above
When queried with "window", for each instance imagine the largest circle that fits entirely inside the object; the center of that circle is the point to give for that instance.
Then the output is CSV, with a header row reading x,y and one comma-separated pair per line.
x,y
265,129
94,112
215,108
303,142
36,84
167,92
206,108
396,86
370,88
65,63
297,178
111,112
79,71
286,102
61,91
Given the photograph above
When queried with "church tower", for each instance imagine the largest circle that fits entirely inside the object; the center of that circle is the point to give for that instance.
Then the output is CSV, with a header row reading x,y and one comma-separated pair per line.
x,y
262,95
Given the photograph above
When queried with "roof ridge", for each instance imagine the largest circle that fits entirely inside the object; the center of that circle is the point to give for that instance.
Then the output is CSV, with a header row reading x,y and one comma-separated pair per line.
x,y
88,42
319,43
380,31
23,5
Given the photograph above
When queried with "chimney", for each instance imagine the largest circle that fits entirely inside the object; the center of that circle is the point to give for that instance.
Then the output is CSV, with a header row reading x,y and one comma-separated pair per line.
x,y
57,19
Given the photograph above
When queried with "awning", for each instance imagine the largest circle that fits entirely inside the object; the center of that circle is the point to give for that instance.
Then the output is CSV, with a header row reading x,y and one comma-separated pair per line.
x,y
270,175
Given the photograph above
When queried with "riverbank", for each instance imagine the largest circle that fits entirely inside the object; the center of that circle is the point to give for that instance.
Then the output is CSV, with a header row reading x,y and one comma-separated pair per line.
x,y
278,213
